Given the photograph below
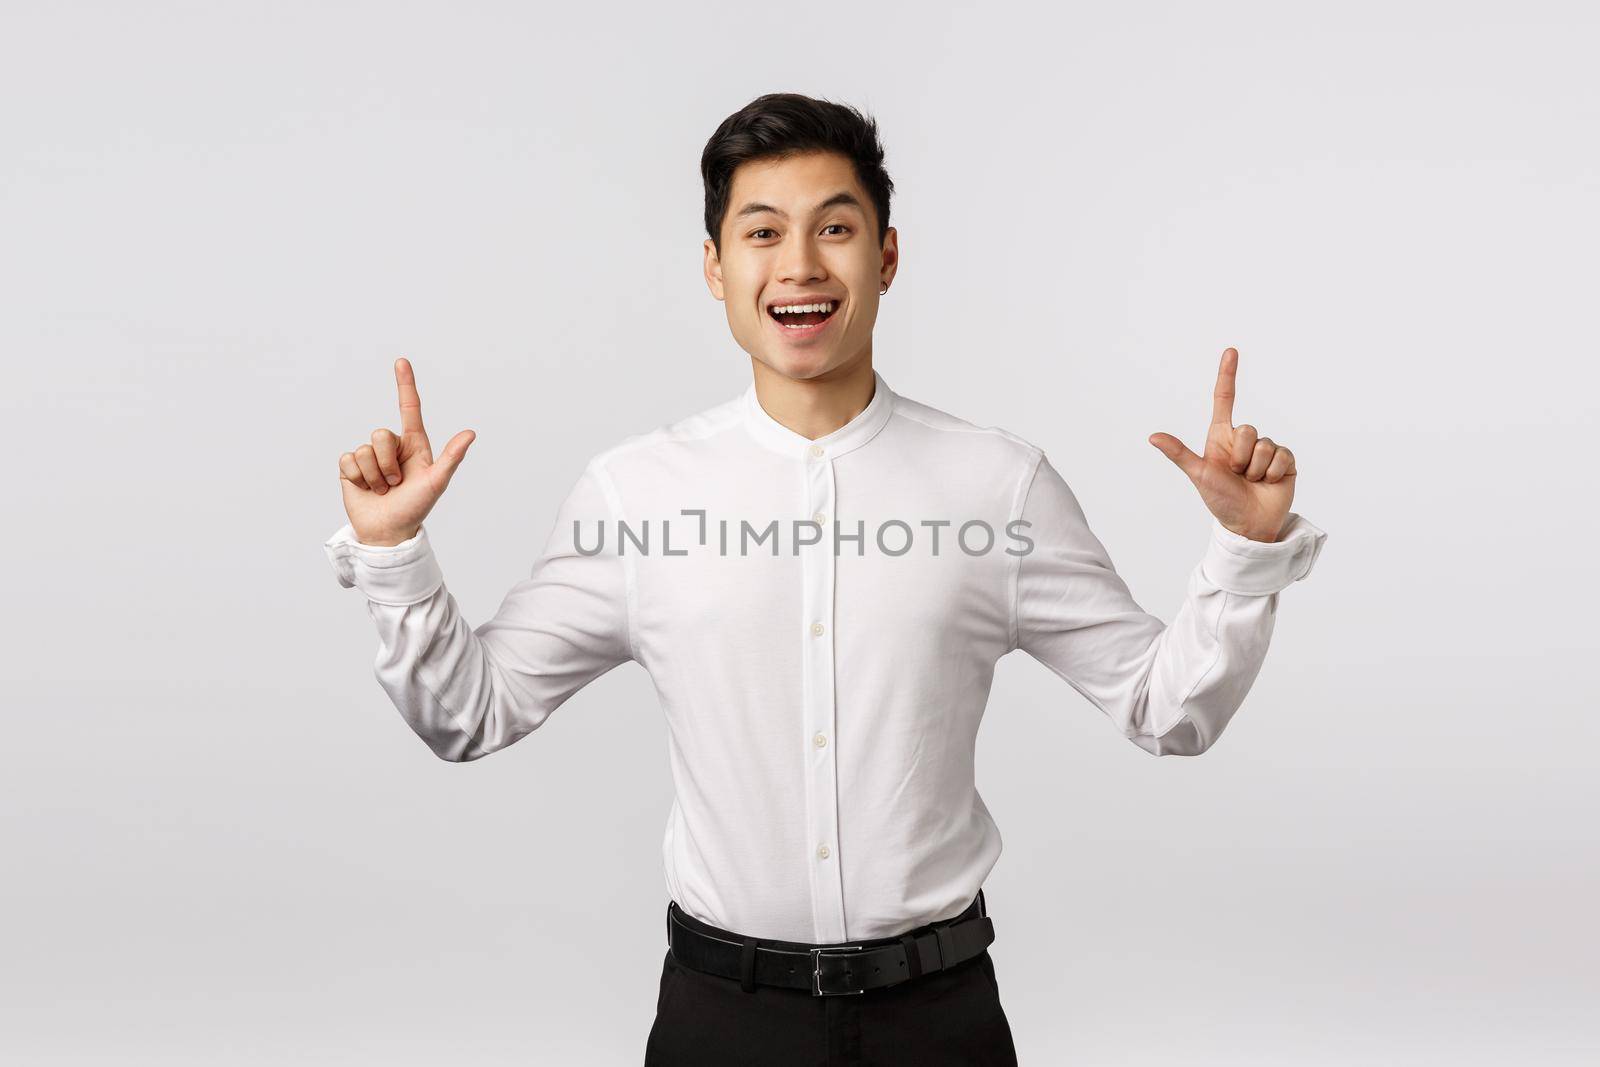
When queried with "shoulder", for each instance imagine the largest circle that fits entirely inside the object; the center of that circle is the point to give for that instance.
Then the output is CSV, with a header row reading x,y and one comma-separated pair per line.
x,y
680,436
939,428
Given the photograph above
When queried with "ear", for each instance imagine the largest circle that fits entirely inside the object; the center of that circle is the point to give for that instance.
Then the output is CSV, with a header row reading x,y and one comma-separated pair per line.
x,y
713,270
891,254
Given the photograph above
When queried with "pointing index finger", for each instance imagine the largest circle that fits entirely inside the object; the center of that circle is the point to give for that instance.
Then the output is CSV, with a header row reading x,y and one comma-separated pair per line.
x,y
410,402
1222,398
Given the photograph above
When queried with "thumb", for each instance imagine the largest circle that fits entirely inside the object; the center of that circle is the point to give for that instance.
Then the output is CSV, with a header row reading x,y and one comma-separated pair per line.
x,y
455,450
1179,453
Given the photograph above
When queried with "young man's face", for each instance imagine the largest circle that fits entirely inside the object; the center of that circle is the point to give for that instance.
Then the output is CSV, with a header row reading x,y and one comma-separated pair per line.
x,y
801,230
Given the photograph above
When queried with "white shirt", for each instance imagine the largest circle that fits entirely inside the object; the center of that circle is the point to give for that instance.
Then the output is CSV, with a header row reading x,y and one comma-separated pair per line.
x,y
822,703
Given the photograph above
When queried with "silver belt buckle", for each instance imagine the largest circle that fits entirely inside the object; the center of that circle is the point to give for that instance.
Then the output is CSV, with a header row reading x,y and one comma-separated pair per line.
x,y
816,971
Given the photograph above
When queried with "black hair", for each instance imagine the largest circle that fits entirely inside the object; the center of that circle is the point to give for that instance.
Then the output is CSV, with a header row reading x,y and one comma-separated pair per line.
x,y
778,125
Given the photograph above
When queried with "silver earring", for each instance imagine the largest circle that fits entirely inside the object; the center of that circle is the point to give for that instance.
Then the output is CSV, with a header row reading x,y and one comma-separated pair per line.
x,y
882,291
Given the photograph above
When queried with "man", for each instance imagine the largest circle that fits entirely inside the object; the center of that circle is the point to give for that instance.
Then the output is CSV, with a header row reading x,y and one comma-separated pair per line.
x,y
819,575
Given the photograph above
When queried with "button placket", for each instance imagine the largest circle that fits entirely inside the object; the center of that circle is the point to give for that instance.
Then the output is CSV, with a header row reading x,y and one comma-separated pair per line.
x,y
817,595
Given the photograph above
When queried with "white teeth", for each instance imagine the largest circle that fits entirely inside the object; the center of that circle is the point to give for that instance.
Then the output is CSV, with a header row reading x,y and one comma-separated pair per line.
x,y
795,309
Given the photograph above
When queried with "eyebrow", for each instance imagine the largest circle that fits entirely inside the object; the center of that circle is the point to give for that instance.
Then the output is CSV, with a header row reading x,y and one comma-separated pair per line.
x,y
835,199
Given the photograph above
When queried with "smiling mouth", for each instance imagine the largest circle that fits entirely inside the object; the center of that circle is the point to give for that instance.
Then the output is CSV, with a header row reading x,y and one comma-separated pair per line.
x,y
802,322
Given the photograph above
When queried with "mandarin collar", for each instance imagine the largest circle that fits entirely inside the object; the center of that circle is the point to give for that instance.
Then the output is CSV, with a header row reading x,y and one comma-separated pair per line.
x,y
847,438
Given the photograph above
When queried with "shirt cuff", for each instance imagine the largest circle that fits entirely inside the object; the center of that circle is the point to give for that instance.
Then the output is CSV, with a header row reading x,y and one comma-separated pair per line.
x,y
1257,568
406,573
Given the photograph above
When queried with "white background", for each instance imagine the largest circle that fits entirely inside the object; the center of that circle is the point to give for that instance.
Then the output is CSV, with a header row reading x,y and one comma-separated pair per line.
x,y
220,224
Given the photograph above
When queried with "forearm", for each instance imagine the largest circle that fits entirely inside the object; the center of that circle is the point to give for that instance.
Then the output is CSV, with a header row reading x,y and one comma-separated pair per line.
x,y
1205,664
442,679
1215,648
468,692
437,672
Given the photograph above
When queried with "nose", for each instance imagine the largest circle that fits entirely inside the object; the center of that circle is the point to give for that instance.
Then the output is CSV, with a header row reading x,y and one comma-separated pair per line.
x,y
799,262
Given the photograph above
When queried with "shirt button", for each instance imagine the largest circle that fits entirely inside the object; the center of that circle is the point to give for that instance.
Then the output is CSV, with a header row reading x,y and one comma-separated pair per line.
x,y
816,450
823,852
819,518
819,740
816,629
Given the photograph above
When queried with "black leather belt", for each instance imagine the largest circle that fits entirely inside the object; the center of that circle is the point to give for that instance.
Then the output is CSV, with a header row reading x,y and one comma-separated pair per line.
x,y
829,970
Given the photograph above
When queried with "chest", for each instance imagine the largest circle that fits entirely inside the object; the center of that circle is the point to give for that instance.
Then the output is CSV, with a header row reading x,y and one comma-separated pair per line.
x,y
908,572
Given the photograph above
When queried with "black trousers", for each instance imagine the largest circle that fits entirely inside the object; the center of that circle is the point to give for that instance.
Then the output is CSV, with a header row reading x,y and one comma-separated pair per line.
x,y
949,1017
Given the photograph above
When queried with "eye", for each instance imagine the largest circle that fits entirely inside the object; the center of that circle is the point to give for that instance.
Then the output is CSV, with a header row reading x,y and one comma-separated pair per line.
x,y
757,233
836,226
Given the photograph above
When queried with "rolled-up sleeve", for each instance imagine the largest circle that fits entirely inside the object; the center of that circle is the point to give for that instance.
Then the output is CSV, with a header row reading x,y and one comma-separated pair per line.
x,y
470,692
1170,689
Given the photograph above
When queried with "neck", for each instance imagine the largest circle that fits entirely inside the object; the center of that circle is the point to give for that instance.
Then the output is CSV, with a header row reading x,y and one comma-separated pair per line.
x,y
815,407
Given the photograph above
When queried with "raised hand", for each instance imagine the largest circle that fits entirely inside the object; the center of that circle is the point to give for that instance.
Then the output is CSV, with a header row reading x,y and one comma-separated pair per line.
x,y
1246,481
391,485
